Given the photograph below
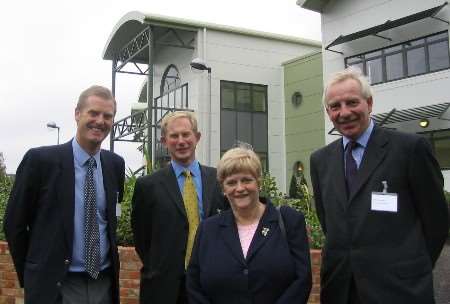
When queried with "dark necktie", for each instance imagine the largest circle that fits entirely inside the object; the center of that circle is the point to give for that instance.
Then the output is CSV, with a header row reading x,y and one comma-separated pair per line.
x,y
350,166
91,233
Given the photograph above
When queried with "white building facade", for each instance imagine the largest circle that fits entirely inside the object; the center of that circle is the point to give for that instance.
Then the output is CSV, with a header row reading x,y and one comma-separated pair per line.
x,y
402,46
240,99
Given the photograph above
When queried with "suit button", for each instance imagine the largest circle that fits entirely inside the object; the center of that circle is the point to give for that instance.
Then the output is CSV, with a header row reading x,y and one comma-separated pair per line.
x,y
245,271
58,284
67,261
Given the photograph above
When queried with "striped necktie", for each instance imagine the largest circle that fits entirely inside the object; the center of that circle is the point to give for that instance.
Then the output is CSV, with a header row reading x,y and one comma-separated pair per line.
x,y
91,233
191,206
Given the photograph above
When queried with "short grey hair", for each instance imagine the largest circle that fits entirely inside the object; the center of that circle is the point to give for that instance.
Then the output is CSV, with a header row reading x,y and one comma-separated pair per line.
x,y
349,73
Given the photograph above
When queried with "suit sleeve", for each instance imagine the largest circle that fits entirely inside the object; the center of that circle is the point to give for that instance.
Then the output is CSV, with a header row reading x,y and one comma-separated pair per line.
x,y
194,290
19,211
315,180
121,174
140,220
427,183
298,291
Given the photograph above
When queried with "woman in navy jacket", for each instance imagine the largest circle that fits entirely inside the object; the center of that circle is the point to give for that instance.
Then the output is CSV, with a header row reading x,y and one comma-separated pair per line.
x,y
242,255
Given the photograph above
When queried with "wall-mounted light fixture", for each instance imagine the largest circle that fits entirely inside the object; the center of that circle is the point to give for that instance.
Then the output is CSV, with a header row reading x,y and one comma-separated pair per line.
x,y
424,123
297,99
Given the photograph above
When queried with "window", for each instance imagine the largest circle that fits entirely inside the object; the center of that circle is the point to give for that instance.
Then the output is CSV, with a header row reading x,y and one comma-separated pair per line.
x,y
243,117
407,59
440,141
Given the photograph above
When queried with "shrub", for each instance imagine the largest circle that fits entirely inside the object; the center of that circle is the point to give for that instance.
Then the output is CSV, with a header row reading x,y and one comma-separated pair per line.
x,y
5,188
269,189
124,232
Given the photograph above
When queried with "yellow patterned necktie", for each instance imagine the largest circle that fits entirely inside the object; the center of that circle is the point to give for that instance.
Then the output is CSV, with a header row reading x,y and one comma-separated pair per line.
x,y
191,206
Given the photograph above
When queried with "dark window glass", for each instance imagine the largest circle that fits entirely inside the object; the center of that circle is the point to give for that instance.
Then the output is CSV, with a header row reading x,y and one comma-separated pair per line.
x,y
440,141
353,60
243,100
394,66
373,54
439,57
421,56
260,131
438,36
375,70
259,99
227,95
393,49
416,61
359,66
244,127
227,129
246,121
414,43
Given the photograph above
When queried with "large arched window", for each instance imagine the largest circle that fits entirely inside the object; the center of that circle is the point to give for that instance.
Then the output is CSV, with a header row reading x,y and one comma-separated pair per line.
x,y
170,79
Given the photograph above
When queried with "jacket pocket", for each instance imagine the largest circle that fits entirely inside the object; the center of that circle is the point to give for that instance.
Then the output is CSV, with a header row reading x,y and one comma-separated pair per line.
x,y
413,268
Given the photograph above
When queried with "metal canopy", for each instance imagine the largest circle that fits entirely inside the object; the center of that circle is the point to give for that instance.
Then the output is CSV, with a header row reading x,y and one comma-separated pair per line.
x,y
432,111
389,24
438,111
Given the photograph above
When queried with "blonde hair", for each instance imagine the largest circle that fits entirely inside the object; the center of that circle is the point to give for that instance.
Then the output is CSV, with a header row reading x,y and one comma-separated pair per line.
x,y
175,115
349,73
238,160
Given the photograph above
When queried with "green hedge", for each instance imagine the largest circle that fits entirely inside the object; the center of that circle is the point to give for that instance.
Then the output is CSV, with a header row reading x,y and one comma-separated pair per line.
x,y
5,189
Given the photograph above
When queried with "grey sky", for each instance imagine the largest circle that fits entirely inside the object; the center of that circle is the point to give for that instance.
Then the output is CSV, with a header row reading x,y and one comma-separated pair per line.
x,y
51,51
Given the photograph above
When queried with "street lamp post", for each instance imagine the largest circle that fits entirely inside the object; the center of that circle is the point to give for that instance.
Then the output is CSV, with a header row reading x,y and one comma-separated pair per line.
x,y
52,125
199,64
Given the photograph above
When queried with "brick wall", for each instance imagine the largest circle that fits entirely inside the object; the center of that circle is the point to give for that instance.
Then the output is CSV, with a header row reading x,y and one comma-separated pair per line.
x,y
10,293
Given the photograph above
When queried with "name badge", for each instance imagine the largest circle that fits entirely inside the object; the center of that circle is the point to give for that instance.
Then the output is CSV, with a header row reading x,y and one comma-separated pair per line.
x,y
384,201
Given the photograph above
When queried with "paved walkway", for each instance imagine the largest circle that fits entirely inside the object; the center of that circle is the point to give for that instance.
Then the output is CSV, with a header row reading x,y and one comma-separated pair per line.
x,y
441,276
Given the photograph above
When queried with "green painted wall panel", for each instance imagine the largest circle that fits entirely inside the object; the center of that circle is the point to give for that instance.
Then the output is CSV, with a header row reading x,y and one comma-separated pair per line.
x,y
304,125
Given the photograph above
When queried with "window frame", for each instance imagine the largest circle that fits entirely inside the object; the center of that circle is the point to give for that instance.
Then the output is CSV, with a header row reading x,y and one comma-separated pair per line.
x,y
405,46
235,110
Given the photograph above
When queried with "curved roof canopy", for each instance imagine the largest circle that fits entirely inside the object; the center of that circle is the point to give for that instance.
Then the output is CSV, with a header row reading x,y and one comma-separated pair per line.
x,y
133,23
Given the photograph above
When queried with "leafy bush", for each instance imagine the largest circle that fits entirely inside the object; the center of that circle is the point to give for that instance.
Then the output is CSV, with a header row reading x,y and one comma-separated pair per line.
x,y
269,189
124,232
5,188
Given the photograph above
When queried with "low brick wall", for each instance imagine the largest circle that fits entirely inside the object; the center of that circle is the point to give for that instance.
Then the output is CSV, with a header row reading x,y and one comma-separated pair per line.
x,y
11,293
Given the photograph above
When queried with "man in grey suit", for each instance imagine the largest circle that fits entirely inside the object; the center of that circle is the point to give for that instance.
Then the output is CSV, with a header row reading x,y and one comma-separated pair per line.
x,y
379,198
167,207
60,220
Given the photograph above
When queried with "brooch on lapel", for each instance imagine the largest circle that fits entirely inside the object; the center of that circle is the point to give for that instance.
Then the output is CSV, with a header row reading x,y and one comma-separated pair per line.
x,y
264,231
219,211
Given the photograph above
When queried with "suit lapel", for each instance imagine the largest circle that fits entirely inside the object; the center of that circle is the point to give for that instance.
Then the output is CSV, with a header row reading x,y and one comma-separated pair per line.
x,y
111,196
208,185
265,230
374,154
337,157
230,236
170,184
66,191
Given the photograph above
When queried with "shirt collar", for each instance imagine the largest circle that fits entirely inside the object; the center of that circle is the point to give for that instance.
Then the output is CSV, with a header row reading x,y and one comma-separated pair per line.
x,y
363,139
80,156
194,167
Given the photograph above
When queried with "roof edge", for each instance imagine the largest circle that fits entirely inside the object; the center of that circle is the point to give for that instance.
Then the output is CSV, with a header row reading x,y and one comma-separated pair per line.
x,y
133,15
160,19
154,19
311,54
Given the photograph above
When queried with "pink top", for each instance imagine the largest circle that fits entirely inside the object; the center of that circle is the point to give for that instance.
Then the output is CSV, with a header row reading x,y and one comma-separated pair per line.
x,y
246,233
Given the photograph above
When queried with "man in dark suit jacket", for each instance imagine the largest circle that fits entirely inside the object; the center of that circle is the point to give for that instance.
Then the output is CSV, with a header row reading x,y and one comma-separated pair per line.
x,y
379,197
45,224
162,234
